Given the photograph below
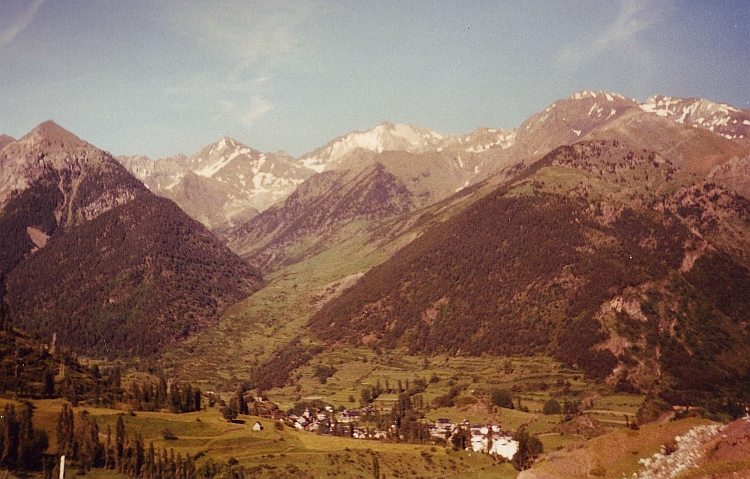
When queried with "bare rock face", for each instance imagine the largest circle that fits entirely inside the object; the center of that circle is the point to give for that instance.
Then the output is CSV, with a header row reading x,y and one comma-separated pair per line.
x,y
222,182
90,180
6,140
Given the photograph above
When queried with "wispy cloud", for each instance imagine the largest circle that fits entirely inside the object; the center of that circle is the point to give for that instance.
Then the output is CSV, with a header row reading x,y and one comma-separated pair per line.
x,y
19,23
259,107
251,41
250,32
633,17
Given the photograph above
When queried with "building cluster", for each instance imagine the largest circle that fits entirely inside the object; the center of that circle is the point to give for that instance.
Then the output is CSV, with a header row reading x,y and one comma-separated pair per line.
x,y
490,439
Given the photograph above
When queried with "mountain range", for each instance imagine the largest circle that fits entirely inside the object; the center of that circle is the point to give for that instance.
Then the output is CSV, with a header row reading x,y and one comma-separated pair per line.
x,y
227,183
608,233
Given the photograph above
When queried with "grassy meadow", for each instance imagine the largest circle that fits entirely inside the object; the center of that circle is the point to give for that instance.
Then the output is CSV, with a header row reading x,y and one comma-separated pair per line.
x,y
275,451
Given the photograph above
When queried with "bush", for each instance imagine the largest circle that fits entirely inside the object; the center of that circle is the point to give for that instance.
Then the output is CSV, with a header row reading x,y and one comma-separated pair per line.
x,y
551,407
501,398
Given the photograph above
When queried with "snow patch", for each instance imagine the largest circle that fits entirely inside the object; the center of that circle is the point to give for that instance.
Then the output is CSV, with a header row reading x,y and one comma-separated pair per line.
x,y
211,170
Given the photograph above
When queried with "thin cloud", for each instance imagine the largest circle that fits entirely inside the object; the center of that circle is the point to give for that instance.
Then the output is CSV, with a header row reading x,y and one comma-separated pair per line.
x,y
252,40
260,106
252,34
634,17
20,23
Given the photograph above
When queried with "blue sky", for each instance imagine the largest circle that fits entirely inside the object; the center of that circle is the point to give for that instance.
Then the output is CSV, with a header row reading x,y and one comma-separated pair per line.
x,y
161,77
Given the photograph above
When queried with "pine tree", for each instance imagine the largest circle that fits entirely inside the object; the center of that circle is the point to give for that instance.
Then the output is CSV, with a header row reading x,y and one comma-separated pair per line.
x,y
138,456
109,460
25,436
48,384
150,461
9,452
87,438
241,403
196,399
119,442
65,431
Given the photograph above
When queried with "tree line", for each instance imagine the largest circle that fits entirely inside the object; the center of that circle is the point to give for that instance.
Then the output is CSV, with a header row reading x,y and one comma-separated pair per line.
x,y
79,440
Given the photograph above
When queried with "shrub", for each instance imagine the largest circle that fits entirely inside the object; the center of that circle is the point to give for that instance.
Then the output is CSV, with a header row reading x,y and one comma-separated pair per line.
x,y
551,407
501,398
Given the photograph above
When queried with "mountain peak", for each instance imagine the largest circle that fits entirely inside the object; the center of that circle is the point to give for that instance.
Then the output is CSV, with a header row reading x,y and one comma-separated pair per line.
x,y
602,95
50,133
386,136
720,118
5,140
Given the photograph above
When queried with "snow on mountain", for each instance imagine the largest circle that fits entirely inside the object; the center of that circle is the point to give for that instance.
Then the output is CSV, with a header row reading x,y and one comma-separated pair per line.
x,y
237,177
480,140
384,137
726,120
251,179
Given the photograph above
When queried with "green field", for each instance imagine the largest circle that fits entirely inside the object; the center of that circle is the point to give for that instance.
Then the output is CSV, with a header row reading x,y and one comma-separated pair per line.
x,y
280,453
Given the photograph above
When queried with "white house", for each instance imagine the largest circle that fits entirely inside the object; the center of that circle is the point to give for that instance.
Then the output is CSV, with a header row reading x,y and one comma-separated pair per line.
x,y
501,445
505,447
257,426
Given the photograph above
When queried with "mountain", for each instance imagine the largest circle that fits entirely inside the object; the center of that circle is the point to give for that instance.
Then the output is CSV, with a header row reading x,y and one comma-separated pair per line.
x,y
87,252
311,218
90,182
5,140
365,177
422,149
432,166
222,182
384,137
726,120
49,180
618,260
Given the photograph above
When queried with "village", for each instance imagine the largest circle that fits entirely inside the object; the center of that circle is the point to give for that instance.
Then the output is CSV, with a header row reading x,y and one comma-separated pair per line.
x,y
482,438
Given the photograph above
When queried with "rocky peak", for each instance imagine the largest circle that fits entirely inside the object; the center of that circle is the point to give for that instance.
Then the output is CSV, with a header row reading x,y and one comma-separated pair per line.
x,y
51,136
726,120
386,136
90,180
6,140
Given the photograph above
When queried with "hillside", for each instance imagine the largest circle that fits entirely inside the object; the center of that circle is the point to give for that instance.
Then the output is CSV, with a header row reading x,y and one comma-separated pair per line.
x,y
87,252
633,170
130,281
310,219
580,258
49,180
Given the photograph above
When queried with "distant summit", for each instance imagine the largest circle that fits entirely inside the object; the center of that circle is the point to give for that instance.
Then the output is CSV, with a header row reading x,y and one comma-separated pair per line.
x,y
726,120
384,137
223,182
50,136
6,140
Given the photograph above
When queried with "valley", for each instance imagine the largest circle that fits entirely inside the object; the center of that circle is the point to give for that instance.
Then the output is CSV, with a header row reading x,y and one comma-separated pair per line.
x,y
579,282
